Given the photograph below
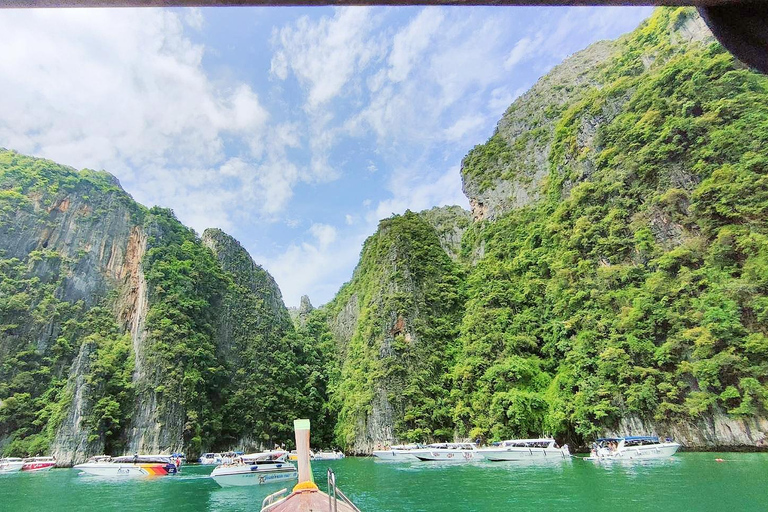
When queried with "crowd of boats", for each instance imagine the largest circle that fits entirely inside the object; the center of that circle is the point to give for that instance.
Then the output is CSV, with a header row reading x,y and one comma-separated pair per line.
x,y
232,468
604,449
240,469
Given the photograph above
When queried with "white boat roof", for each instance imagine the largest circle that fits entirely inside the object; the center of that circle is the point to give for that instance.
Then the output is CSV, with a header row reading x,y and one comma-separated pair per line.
x,y
263,454
539,440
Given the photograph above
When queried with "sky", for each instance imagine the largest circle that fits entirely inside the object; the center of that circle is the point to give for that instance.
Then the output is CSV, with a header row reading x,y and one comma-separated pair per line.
x,y
295,130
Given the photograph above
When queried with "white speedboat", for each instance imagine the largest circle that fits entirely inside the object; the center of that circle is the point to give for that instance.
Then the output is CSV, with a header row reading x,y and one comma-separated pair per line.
x,y
255,469
334,455
129,466
11,464
38,464
398,452
526,449
209,459
632,448
451,452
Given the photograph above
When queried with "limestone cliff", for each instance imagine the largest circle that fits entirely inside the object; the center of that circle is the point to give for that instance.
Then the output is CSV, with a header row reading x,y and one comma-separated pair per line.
x,y
121,331
614,279
392,325
507,171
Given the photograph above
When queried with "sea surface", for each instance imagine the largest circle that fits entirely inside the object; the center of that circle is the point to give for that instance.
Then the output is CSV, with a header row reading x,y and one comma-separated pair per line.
x,y
685,482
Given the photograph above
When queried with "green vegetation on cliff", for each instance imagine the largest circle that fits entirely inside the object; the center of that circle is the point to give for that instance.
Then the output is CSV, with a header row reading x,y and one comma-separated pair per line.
x,y
638,285
408,299
44,320
71,269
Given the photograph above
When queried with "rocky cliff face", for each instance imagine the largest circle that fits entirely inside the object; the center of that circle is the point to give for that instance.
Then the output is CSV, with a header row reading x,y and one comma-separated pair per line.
x,y
507,171
601,288
717,431
96,336
392,325
619,142
78,234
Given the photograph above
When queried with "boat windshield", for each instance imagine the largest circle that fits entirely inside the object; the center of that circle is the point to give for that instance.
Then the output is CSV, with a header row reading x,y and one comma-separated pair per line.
x,y
640,441
531,443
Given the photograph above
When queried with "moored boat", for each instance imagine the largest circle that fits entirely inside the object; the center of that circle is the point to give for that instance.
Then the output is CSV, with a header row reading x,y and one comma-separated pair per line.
x,y
38,464
211,459
255,469
398,452
450,452
632,448
334,455
526,449
129,466
11,464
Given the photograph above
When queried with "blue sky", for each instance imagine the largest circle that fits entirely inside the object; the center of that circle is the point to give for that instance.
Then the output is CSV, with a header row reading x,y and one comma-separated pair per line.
x,y
293,129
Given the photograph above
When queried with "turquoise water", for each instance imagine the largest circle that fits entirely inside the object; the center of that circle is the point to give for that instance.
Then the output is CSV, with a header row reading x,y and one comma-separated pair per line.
x,y
688,481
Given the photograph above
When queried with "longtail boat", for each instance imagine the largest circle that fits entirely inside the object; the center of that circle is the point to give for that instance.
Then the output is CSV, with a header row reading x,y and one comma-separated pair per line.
x,y
305,496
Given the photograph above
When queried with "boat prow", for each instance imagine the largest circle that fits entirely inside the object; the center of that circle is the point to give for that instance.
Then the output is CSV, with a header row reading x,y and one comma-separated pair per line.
x,y
11,464
305,496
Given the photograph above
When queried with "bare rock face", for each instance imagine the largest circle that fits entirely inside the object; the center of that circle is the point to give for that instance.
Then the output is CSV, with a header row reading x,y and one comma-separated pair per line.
x,y
74,246
511,173
299,315
712,432
235,259
508,171
450,223
71,444
81,236
252,279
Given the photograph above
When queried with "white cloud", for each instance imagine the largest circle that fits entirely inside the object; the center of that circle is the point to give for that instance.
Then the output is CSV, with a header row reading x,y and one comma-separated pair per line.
x,y
465,125
324,234
349,219
315,268
325,55
193,17
410,43
125,91
518,53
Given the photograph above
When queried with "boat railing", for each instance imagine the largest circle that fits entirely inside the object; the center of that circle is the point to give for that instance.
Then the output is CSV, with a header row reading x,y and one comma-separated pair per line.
x,y
335,494
273,498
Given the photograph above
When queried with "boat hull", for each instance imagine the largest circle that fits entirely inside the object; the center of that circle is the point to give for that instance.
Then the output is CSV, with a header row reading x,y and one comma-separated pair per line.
x,y
510,454
38,466
121,470
448,456
10,467
394,455
243,478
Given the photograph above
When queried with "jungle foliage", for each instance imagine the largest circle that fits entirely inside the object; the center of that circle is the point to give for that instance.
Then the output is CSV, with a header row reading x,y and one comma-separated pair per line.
x,y
638,285
245,395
